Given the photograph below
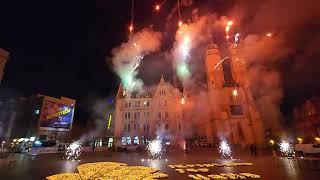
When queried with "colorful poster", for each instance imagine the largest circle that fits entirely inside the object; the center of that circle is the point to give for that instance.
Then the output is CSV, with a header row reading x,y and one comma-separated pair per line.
x,y
56,115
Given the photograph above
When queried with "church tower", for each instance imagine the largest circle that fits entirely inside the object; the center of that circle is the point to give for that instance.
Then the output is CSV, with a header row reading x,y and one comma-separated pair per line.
x,y
234,116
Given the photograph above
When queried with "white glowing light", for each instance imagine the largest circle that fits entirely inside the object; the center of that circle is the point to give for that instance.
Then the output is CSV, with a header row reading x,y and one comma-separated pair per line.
x,y
234,92
182,101
286,149
236,38
155,148
73,151
32,138
224,149
185,48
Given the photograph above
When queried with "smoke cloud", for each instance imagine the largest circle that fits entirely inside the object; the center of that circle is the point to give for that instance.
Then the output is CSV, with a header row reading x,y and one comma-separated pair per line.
x,y
127,57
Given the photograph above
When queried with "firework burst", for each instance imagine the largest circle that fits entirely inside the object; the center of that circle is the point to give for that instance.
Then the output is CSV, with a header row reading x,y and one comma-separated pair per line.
x,y
224,149
73,151
155,148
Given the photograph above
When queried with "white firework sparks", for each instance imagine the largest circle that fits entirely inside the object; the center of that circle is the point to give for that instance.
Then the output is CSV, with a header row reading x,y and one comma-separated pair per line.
x,y
73,151
286,149
220,62
224,149
155,148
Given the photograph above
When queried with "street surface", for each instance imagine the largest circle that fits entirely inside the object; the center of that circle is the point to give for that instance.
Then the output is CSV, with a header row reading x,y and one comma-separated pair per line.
x,y
38,167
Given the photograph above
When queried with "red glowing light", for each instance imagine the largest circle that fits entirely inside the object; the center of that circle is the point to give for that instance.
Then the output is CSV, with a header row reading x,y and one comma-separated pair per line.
x,y
130,28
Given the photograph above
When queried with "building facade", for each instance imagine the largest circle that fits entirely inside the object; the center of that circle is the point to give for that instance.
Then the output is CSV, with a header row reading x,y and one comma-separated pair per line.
x,y
234,116
141,117
4,55
36,116
307,118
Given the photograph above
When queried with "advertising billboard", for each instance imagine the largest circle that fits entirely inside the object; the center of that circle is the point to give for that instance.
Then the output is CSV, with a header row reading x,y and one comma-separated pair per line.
x,y
56,115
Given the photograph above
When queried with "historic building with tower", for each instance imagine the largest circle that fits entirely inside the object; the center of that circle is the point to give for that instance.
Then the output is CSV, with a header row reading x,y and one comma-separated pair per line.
x,y
141,117
234,115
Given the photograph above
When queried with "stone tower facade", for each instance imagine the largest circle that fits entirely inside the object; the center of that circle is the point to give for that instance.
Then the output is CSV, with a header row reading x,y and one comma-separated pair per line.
x,y
234,116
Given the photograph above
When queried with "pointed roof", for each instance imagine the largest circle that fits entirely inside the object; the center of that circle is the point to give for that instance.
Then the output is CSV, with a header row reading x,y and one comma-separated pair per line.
x,y
162,79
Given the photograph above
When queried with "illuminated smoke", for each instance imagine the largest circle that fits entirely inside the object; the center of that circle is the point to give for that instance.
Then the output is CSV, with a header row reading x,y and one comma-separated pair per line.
x,y
286,149
155,148
224,149
128,56
73,152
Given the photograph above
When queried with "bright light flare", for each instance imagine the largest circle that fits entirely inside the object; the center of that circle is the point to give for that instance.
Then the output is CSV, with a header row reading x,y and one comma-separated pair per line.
x,y
155,148
271,142
234,92
73,151
224,149
182,101
269,34
230,23
286,149
157,7
180,23
227,28
236,38
131,28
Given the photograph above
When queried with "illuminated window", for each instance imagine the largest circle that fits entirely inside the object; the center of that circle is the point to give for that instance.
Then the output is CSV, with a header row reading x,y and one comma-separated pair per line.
x,y
128,140
146,103
110,142
123,140
136,140
37,111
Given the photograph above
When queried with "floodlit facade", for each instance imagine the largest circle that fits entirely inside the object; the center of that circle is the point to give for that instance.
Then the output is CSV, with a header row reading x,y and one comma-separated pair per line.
x,y
141,117
234,116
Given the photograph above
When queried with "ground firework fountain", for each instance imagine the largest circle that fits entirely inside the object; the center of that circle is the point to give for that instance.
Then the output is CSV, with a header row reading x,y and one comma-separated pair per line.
x,y
224,149
286,149
73,152
155,148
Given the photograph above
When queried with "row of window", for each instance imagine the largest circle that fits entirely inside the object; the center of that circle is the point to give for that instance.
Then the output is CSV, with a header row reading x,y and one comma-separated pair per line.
x,y
128,104
162,92
160,115
128,140
136,115
127,127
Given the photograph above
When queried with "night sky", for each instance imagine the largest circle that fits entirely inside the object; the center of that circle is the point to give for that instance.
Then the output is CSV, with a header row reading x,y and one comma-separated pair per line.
x,y
58,48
